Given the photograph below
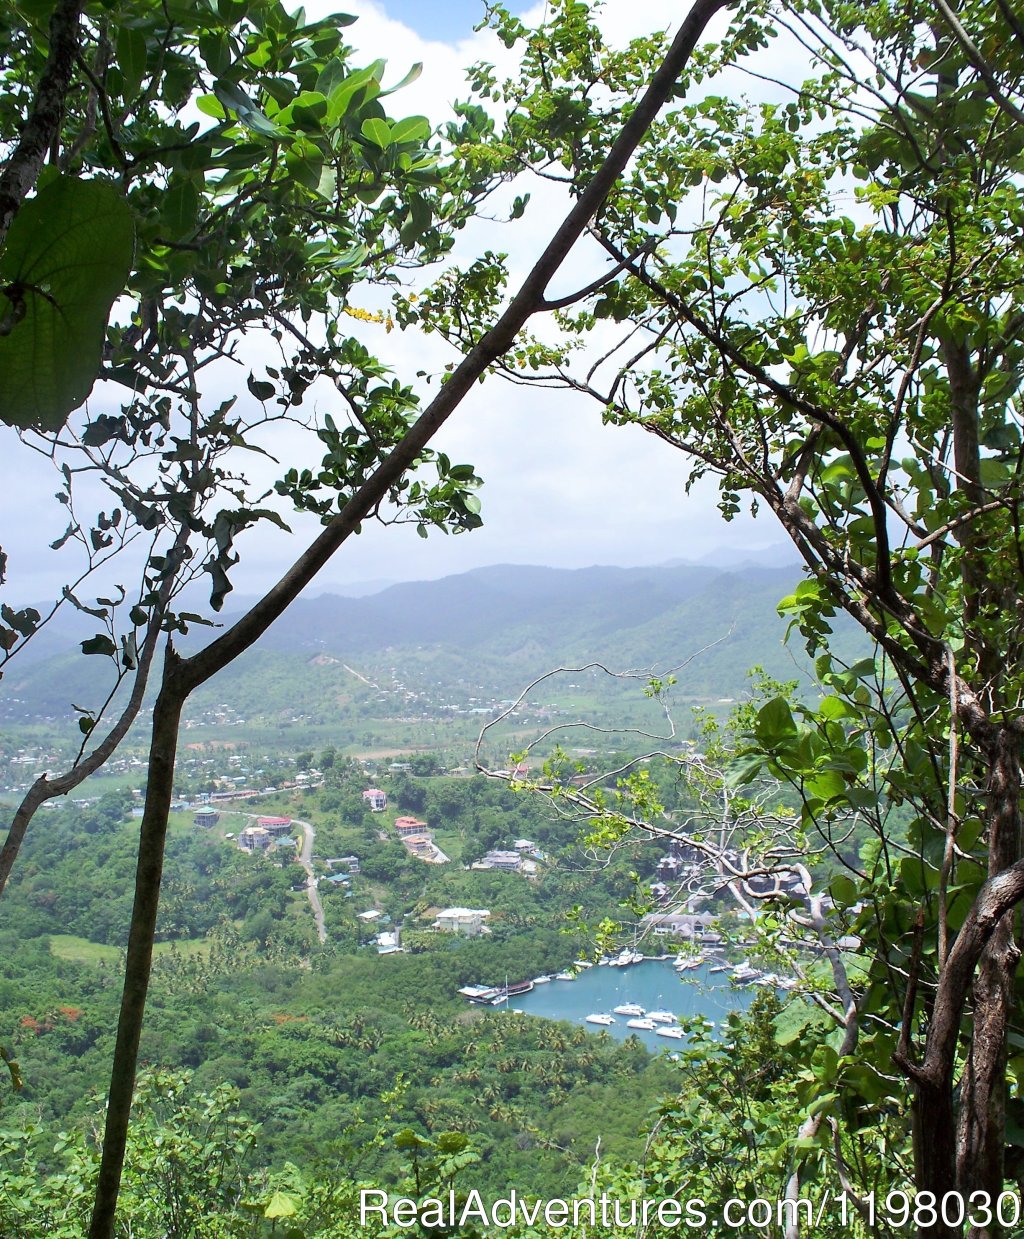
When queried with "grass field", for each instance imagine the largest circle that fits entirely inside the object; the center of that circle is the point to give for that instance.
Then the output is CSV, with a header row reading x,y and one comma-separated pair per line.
x,y
82,951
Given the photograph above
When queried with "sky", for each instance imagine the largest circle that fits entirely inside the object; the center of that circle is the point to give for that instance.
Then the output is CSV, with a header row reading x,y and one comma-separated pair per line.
x,y
559,488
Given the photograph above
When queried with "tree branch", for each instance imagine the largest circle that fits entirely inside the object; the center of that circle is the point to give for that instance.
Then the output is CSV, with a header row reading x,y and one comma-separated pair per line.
x,y
974,55
43,124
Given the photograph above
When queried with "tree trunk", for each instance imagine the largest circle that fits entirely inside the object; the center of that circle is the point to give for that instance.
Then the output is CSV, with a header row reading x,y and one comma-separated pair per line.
x,y
148,873
982,1116
935,1151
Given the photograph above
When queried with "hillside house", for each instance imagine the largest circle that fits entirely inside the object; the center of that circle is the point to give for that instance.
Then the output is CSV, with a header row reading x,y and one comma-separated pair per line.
x,y
376,799
351,863
466,921
510,862
407,826
254,839
419,845
690,926
206,817
275,826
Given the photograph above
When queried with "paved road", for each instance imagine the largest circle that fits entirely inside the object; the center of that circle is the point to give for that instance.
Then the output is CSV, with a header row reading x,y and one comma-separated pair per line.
x,y
305,859
305,855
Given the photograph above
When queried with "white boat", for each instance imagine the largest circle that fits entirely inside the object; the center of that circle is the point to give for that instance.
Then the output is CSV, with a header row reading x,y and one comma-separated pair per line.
x,y
662,1017
646,1025
565,976
600,1019
629,1008
744,972
684,965
582,963
541,980
675,1032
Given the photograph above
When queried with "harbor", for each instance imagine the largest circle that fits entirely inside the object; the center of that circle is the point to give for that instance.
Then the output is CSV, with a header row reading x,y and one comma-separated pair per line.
x,y
653,986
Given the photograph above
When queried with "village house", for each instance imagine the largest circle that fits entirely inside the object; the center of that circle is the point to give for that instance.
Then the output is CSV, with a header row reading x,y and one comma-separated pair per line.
x,y
351,863
420,845
254,839
510,862
691,926
406,826
275,826
376,799
466,921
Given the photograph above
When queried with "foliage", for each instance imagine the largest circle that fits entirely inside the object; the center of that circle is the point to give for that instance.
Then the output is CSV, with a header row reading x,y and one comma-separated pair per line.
x,y
266,214
815,298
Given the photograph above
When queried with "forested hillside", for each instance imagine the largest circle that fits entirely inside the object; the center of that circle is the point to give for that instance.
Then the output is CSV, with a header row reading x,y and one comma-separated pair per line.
x,y
487,634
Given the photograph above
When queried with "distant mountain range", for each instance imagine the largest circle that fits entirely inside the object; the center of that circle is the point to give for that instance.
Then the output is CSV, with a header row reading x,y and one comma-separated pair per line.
x,y
494,630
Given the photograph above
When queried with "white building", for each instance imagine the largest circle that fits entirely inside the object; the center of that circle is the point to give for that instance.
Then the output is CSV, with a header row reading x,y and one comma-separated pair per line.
x,y
254,839
466,921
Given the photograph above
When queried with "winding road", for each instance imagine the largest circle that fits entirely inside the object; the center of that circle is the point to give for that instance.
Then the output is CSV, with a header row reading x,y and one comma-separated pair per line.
x,y
305,858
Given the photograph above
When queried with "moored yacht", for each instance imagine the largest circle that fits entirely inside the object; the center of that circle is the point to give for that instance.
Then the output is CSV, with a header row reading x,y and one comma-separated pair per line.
x,y
629,1008
600,1019
686,963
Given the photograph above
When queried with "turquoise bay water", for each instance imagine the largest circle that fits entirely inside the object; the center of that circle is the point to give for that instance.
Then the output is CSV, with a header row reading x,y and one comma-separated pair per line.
x,y
654,984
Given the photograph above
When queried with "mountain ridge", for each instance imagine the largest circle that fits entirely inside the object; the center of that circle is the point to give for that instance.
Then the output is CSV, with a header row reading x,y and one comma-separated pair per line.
x,y
494,629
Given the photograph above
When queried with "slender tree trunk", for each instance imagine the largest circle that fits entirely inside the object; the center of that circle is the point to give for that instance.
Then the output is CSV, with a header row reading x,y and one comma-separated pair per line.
x,y
148,873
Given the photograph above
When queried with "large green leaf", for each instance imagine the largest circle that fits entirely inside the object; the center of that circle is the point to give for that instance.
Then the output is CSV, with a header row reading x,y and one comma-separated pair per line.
x,y
69,253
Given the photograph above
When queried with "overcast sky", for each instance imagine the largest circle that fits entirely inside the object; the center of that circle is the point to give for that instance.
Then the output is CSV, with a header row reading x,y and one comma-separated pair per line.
x,y
559,488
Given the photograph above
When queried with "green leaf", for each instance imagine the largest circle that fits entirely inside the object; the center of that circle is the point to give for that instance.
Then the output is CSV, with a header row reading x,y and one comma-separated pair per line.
x,y
377,131
305,163
774,720
131,58
260,388
216,52
412,129
280,1206
411,76
179,209
210,105
68,256
843,890
344,94
100,644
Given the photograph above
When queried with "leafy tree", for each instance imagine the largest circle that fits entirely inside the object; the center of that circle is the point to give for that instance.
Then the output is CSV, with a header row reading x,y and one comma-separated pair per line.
x,y
266,215
293,125
817,300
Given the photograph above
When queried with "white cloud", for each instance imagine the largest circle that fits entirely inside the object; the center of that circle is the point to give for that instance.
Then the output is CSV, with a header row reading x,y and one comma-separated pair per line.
x,y
560,488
